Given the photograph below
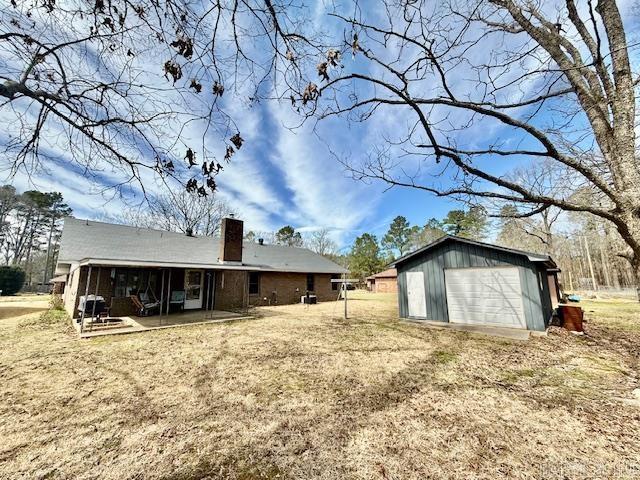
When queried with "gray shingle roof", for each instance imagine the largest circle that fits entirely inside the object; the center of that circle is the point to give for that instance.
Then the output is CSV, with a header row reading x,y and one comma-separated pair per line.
x,y
88,240
389,273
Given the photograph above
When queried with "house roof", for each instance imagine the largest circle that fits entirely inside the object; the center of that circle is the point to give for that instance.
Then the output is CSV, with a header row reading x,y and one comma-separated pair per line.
x,y
86,241
533,257
389,273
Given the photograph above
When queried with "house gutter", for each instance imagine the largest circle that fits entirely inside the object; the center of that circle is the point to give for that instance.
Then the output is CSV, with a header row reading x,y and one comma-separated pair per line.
x,y
214,266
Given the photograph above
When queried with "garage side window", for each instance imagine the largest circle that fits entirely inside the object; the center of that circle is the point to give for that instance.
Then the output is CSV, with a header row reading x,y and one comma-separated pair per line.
x,y
310,282
254,283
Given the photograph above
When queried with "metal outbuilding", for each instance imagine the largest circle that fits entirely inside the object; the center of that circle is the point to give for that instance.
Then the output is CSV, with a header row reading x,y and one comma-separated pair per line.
x,y
461,281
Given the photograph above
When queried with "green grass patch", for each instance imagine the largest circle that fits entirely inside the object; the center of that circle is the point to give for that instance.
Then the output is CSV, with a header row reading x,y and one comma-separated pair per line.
x,y
444,357
48,318
618,314
514,376
388,298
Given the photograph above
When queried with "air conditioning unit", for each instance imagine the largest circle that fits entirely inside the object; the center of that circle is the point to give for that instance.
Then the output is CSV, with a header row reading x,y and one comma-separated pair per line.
x,y
311,299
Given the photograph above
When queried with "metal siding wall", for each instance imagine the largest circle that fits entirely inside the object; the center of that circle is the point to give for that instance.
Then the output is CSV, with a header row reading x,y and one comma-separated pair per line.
x,y
534,295
402,294
474,258
525,281
449,256
547,306
441,310
427,287
432,294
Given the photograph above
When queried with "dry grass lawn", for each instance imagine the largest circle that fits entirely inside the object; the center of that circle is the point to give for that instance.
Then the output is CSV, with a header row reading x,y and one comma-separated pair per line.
x,y
300,393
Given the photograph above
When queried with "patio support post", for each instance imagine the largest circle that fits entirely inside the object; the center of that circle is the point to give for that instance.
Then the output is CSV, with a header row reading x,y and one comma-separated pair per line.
x,y
168,295
162,294
213,287
206,305
344,290
86,293
246,291
93,310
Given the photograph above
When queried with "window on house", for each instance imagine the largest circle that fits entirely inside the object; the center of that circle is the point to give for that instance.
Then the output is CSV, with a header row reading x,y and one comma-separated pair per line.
x,y
121,284
335,285
310,282
254,283
131,281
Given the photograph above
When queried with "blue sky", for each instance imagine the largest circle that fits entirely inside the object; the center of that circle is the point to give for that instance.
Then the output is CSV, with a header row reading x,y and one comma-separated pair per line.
x,y
283,177
278,178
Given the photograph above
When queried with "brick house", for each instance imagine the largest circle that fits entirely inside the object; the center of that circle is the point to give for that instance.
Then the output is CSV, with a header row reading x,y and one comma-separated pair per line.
x,y
117,262
383,282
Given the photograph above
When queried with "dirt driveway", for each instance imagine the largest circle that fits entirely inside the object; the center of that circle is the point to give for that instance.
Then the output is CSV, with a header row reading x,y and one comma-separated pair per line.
x,y
17,306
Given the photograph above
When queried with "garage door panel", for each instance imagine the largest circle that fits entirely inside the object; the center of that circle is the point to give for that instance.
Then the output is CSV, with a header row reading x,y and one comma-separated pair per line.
x,y
487,303
489,296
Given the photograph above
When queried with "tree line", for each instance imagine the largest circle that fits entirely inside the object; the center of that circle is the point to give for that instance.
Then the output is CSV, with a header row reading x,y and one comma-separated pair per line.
x,y
585,248
368,255
318,241
30,229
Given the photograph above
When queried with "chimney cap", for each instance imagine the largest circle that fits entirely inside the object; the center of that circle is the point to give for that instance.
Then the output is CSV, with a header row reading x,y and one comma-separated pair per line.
x,y
261,241
232,215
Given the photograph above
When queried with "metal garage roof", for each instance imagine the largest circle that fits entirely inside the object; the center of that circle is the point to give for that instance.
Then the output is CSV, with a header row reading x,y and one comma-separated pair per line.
x,y
534,257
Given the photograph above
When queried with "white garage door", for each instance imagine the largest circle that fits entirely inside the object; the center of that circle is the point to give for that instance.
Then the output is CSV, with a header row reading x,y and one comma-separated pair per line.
x,y
486,296
416,298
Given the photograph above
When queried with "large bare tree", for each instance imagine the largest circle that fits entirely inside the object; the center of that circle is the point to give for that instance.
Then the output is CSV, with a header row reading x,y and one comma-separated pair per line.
x,y
180,211
475,87
128,90
320,242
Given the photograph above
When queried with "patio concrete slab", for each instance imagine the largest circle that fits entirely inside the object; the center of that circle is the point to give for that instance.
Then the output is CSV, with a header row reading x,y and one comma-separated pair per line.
x,y
143,324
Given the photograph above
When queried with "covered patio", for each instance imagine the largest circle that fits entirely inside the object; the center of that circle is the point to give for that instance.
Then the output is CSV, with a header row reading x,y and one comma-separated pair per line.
x,y
115,298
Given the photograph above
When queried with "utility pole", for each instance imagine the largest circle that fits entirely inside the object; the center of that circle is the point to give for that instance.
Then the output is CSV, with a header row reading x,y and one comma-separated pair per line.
x,y
605,268
570,281
344,287
343,290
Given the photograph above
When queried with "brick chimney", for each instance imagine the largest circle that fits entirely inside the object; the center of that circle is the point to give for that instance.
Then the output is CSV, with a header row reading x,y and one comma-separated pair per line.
x,y
231,233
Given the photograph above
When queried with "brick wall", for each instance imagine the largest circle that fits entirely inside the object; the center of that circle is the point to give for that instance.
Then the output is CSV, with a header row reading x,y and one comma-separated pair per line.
x,y
231,290
386,285
287,288
105,288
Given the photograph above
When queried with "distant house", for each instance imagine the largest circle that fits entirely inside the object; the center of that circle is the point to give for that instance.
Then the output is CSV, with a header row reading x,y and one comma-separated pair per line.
x,y
383,282
457,280
209,273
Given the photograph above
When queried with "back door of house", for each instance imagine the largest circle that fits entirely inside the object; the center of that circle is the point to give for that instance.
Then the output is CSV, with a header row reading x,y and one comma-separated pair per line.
x,y
193,287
